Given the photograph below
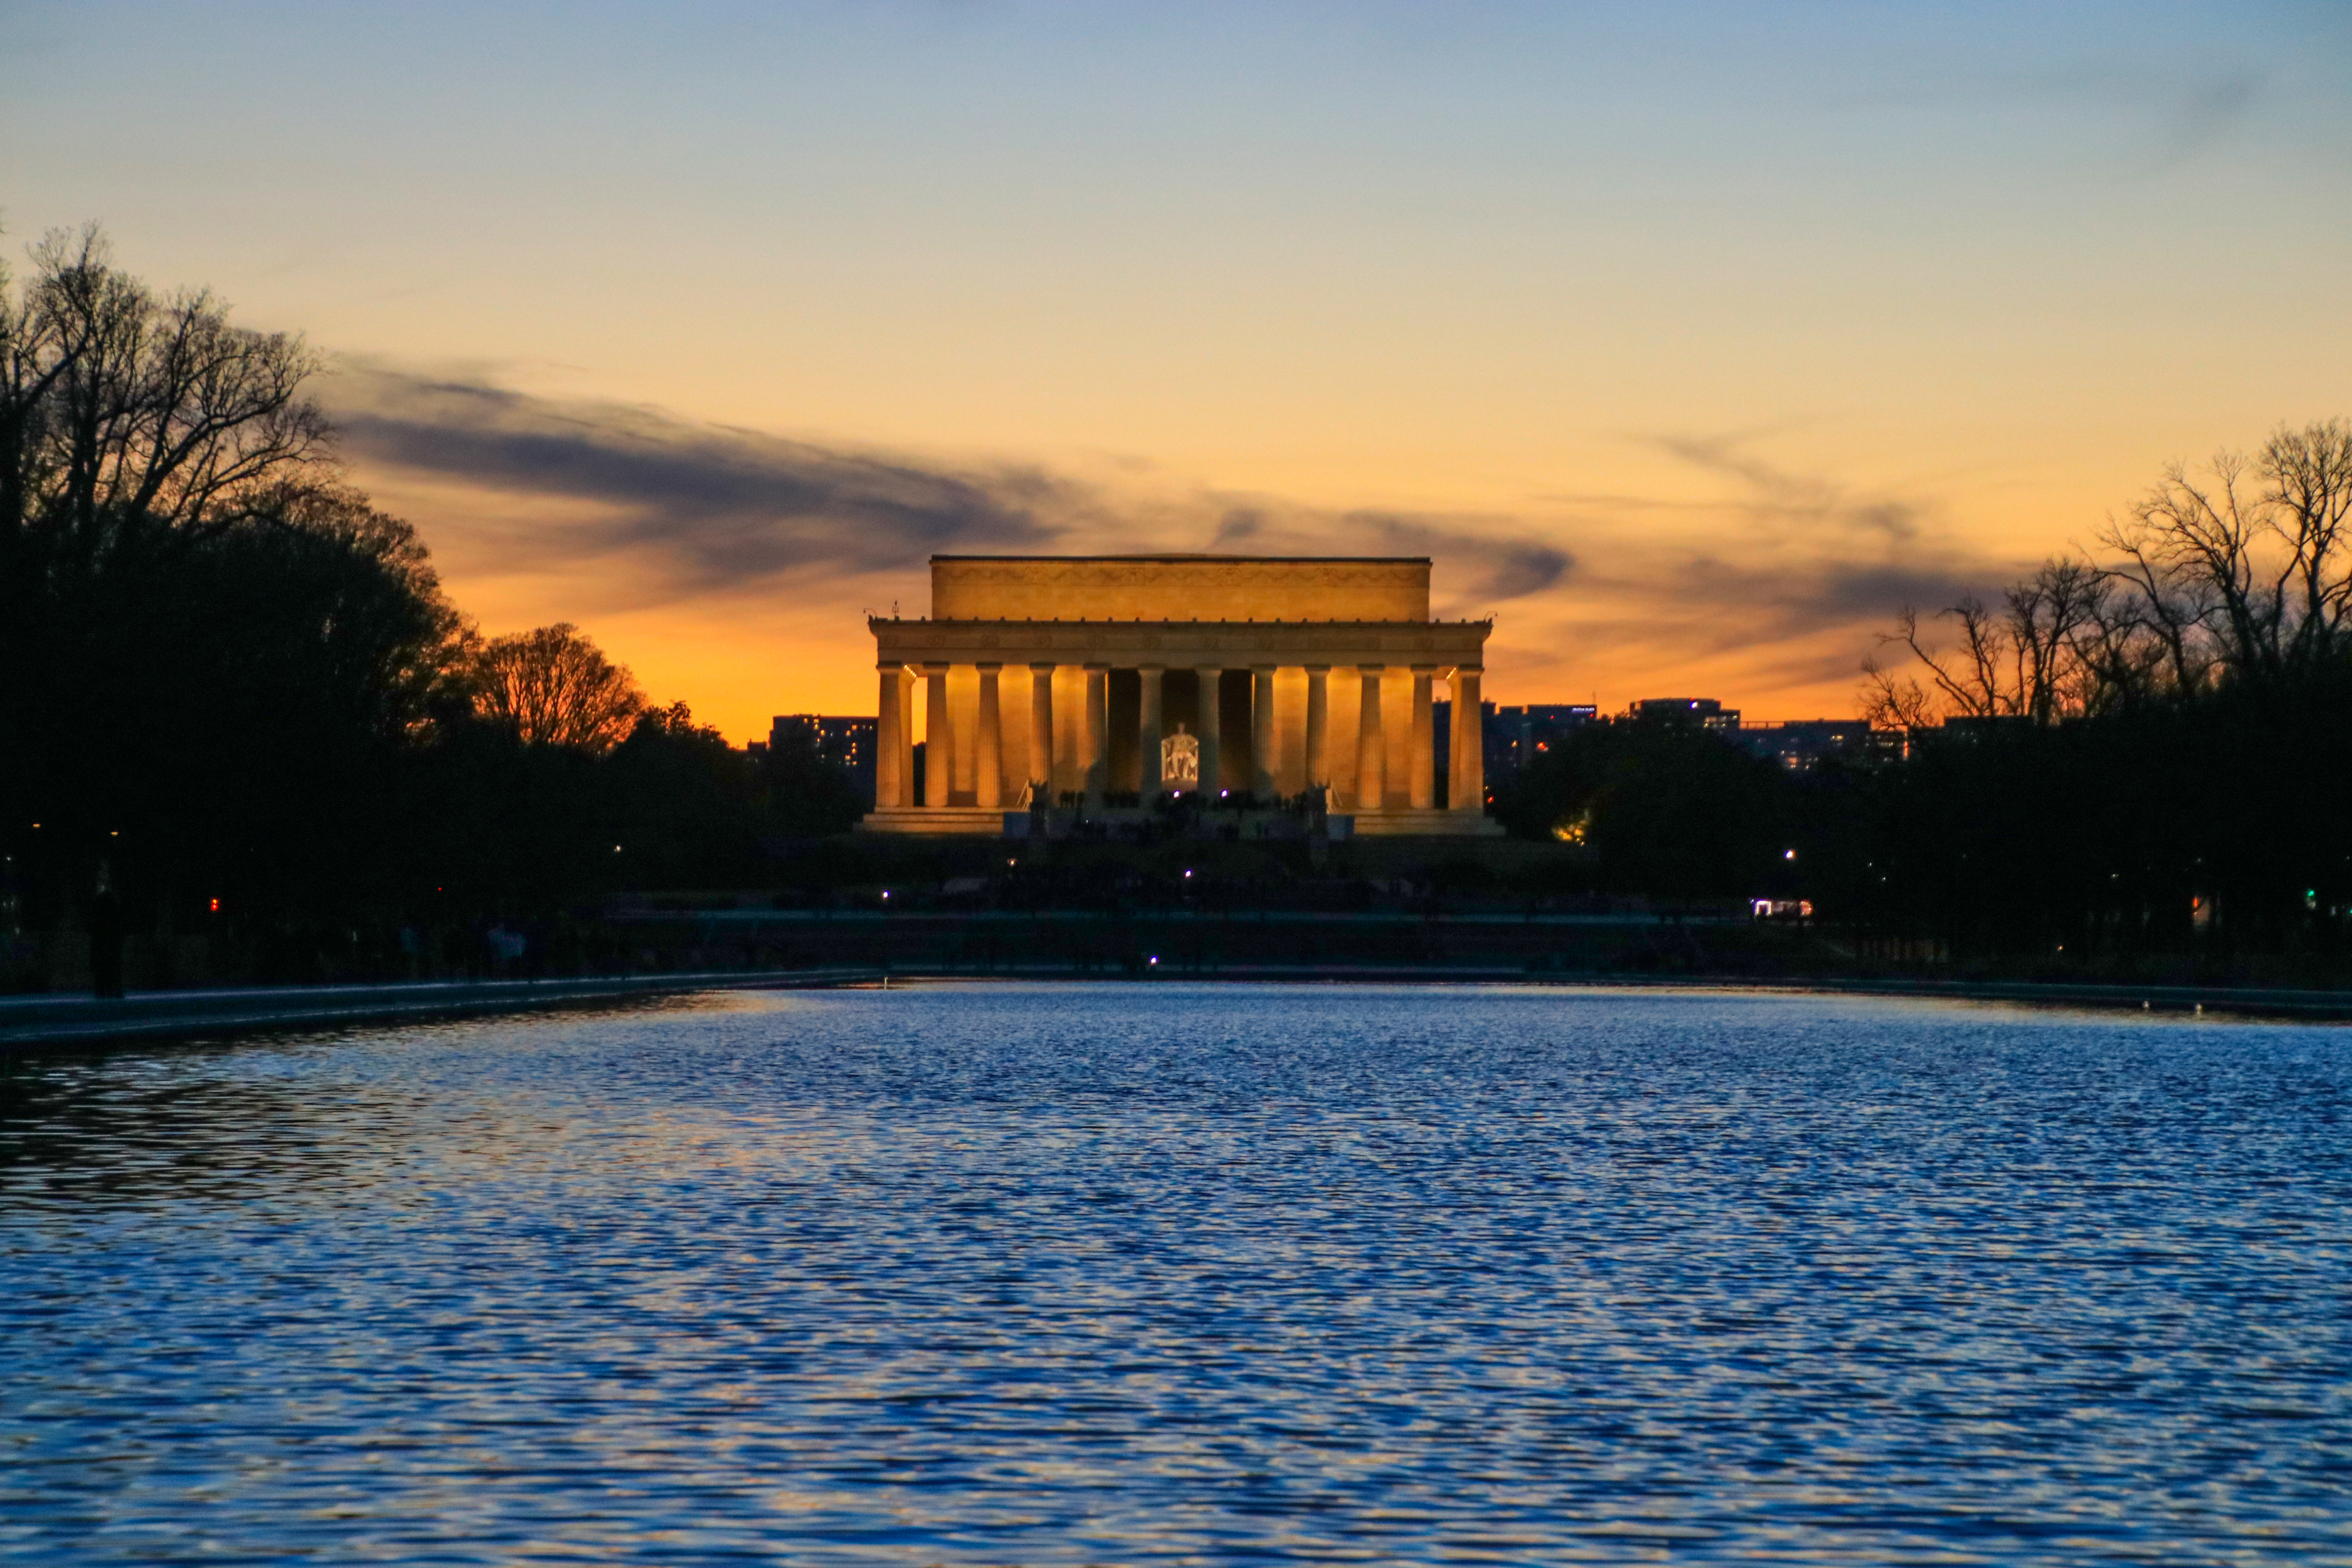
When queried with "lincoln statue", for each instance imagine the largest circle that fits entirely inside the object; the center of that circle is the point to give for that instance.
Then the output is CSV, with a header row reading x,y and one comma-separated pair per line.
x,y
1051,678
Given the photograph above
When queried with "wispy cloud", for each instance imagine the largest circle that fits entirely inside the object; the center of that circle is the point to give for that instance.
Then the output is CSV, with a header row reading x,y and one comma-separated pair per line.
x,y
1784,576
1784,500
696,508
1782,580
1489,560
2172,114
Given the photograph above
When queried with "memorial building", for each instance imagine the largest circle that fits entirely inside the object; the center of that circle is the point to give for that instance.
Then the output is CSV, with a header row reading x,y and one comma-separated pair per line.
x,y
1109,681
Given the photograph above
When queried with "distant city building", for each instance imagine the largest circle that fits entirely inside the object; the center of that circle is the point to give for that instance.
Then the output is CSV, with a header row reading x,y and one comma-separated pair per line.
x,y
1982,726
1802,744
1704,711
1797,744
1517,736
846,741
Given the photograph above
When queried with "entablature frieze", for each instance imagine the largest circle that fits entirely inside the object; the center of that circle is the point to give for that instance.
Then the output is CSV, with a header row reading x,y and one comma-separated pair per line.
x,y
1180,645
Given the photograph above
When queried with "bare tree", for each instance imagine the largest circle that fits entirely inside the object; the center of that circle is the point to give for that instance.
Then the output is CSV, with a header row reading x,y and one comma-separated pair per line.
x,y
555,688
2307,486
1894,702
37,348
117,406
2244,571
2193,544
2241,572
2158,642
2023,659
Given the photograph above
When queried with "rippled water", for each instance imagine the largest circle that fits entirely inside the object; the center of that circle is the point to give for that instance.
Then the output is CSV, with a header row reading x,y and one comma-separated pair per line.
x,y
1112,1274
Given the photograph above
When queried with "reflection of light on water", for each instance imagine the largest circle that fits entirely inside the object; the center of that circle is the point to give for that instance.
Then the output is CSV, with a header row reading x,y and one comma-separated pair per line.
x,y
1092,1274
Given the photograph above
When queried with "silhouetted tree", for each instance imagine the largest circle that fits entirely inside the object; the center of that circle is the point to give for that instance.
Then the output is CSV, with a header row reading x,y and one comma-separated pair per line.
x,y
210,650
1670,810
120,408
2243,571
2027,658
686,805
805,796
2207,669
228,677
555,688
2237,574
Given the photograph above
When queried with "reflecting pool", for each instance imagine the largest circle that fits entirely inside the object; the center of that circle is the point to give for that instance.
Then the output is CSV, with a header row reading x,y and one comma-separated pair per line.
x,y
1006,1274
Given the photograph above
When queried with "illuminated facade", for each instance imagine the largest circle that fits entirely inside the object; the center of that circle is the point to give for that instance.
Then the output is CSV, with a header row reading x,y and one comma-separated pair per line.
x,y
1065,677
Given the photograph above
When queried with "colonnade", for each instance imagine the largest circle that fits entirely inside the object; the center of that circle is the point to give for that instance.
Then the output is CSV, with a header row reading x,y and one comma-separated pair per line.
x,y
1370,742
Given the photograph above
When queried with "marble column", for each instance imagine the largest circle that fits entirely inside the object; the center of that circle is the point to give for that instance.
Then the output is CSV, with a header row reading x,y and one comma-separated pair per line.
x,y
938,737
1421,786
1466,778
1097,743
894,761
1262,758
1040,729
1371,746
1318,725
1149,723
1209,749
987,769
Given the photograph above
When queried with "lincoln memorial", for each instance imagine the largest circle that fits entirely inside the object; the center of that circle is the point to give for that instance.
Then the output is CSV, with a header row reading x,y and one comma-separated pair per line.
x,y
1110,680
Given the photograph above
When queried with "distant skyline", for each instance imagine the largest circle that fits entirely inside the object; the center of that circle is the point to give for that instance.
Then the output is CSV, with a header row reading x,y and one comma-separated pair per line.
x,y
1690,341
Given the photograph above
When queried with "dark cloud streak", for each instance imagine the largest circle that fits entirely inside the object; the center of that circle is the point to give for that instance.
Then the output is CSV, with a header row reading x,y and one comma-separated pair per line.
x,y
1502,567
1492,561
704,505
1777,498
698,508
1794,572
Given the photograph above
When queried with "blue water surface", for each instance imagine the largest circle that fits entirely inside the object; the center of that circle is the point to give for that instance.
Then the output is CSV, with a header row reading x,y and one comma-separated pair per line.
x,y
1031,1275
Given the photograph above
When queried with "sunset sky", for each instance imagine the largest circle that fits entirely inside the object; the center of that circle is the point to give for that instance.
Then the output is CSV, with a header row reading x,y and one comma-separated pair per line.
x,y
1692,341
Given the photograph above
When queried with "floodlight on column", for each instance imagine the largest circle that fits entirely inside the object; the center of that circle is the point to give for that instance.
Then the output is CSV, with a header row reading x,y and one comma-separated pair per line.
x,y
1151,767
1421,786
1371,745
1262,758
1098,735
939,738
1041,731
1319,726
1212,760
988,770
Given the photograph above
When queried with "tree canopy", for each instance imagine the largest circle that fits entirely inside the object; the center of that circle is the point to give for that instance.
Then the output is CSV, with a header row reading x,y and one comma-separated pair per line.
x,y
228,677
555,688
2234,574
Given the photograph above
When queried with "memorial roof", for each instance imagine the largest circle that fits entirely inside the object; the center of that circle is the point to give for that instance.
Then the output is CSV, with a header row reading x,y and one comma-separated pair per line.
x,y
1180,587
